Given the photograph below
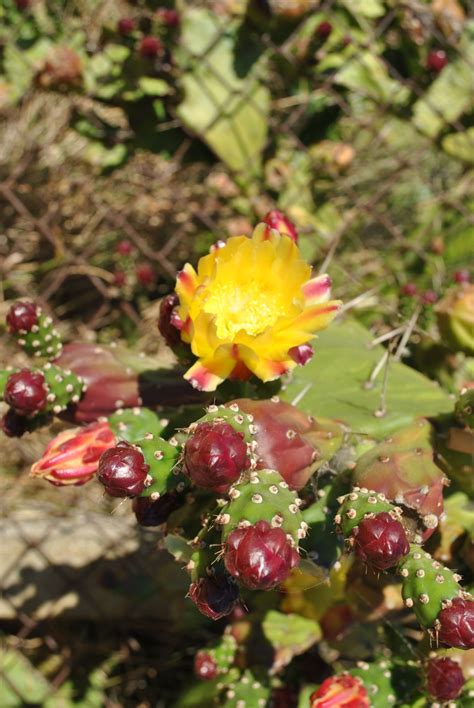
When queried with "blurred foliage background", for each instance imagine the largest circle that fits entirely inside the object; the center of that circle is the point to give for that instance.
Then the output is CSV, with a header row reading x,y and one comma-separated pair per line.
x,y
133,136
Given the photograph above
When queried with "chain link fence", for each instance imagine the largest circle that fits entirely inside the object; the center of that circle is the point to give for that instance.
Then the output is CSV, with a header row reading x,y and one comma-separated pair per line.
x,y
351,117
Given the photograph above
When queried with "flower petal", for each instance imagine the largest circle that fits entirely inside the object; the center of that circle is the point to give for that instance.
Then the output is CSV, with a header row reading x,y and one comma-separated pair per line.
x,y
207,374
317,290
264,369
186,284
317,317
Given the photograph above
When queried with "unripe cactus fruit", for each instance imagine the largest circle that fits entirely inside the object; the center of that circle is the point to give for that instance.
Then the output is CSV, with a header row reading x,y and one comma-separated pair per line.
x,y
444,678
26,392
33,330
342,691
149,512
149,47
13,424
214,596
380,541
259,556
215,455
455,623
169,323
123,471
217,659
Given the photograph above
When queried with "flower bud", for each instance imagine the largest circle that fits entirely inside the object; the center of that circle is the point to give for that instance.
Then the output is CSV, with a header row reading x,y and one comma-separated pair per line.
x,y
72,457
342,691
215,596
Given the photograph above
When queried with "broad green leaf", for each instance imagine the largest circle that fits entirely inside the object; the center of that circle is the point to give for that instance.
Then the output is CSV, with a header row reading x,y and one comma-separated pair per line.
x,y
446,99
23,684
366,74
224,101
99,155
289,635
332,384
460,145
117,52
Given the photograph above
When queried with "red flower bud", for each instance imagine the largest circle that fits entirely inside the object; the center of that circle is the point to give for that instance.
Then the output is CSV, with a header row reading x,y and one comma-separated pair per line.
x,y
259,556
409,290
21,317
324,29
215,455
125,26
276,219
205,667
145,274
215,596
455,624
25,392
462,276
150,47
168,319
445,679
340,692
170,18
149,512
436,60
123,471
124,247
72,457
380,541
301,354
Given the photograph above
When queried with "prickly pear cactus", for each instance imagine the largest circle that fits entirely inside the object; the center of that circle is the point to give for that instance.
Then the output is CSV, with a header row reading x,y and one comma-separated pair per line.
x,y
33,330
377,679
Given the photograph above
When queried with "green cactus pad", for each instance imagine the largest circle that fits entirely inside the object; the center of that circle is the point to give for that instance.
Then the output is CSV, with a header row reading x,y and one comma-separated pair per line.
x,y
263,496
133,424
377,680
42,340
163,458
359,504
246,692
64,387
426,585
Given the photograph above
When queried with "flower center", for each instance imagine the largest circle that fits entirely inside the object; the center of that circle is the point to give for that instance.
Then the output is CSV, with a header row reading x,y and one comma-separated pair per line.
x,y
250,307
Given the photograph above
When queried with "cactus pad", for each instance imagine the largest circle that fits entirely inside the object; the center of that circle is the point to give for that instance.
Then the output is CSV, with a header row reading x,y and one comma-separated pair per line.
x,y
377,680
133,424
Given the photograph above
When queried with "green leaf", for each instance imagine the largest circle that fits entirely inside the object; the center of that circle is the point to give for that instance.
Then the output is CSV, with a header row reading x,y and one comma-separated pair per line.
x,y
225,102
22,684
460,145
117,52
446,99
289,635
332,384
154,87
366,74
365,8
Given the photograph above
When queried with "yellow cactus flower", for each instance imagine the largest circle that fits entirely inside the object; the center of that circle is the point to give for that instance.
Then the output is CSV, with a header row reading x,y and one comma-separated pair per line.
x,y
249,306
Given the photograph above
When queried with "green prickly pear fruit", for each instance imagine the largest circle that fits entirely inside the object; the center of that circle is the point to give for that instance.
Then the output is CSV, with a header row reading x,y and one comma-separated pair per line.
x,y
33,330
401,467
289,440
432,590
261,528
377,680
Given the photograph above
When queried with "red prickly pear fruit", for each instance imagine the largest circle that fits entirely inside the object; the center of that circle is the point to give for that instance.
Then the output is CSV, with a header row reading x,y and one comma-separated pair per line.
x,y
125,26
170,18
324,29
215,597
145,274
409,290
13,425
436,60
123,471
21,317
462,276
259,556
72,457
342,692
205,668
455,624
120,278
169,323
276,219
429,297
444,679
124,247
150,47
301,354
149,512
380,541
215,455
26,392
290,441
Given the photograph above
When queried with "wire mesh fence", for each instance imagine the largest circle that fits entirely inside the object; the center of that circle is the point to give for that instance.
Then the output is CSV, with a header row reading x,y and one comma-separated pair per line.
x,y
351,117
